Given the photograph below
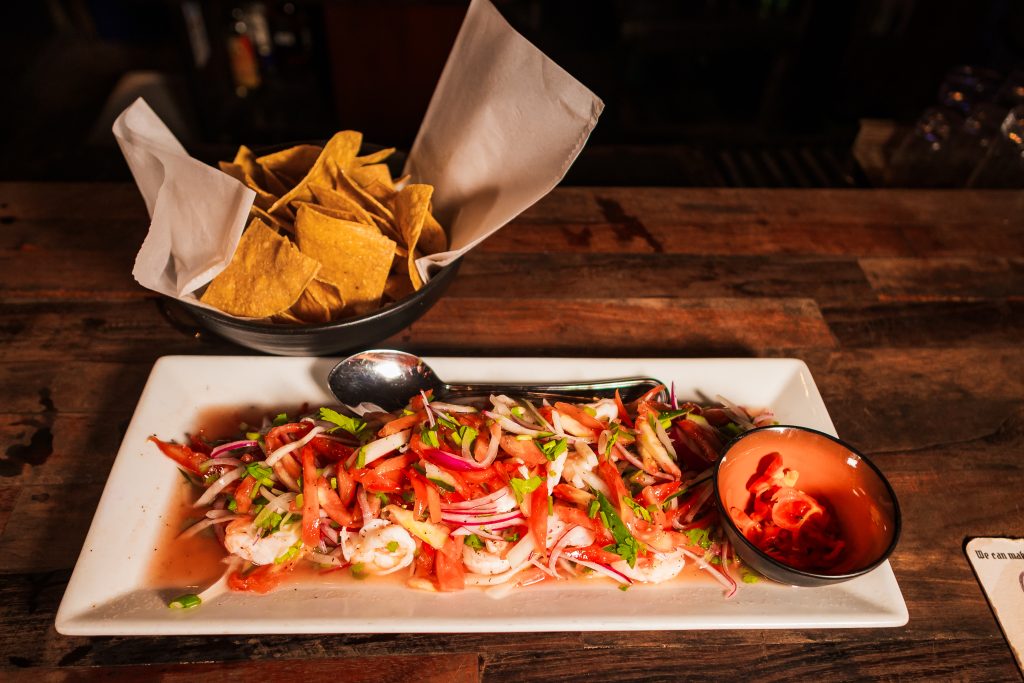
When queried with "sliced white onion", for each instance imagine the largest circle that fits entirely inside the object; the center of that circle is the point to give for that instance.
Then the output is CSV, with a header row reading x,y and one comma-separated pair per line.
x,y
453,407
218,486
492,447
556,423
364,505
282,474
555,468
495,579
663,438
293,446
321,558
511,426
595,482
520,552
738,414
375,450
208,522
234,445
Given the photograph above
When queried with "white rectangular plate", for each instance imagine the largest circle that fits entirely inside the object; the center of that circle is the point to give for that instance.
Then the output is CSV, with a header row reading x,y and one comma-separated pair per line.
x,y
108,593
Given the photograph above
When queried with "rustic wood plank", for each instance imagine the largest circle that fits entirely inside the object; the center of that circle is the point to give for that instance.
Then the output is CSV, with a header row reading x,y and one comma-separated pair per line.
x,y
73,387
441,668
926,324
931,279
59,448
598,276
135,331
629,327
902,399
52,521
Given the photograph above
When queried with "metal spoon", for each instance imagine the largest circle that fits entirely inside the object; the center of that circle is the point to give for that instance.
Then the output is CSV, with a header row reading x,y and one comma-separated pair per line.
x,y
390,378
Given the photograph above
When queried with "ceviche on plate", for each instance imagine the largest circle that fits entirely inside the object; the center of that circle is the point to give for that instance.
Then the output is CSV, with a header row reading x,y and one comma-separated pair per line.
x,y
496,494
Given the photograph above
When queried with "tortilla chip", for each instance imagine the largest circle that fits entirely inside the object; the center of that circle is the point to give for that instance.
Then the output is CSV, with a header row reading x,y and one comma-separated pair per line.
x,y
294,162
321,302
266,275
247,161
274,184
432,239
263,199
398,286
339,152
287,318
375,179
345,184
334,199
272,221
374,158
412,206
356,258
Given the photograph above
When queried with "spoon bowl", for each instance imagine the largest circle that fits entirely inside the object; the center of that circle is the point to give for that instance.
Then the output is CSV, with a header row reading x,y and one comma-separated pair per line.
x,y
390,378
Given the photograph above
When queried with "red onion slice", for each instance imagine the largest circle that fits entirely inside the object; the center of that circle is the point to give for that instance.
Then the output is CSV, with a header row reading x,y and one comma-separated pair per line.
x,y
451,461
721,577
606,570
477,502
234,445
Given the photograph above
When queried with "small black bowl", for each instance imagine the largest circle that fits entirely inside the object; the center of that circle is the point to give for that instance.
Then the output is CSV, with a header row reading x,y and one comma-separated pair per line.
x,y
323,339
859,494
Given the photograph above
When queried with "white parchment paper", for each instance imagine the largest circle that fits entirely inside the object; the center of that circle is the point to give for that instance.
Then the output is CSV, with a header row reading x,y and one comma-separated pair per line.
x,y
504,125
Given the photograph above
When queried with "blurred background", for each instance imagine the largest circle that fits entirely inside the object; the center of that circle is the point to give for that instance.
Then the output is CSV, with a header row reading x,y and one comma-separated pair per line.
x,y
732,93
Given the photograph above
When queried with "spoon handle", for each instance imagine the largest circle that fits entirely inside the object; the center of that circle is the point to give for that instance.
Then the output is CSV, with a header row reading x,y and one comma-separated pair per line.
x,y
630,388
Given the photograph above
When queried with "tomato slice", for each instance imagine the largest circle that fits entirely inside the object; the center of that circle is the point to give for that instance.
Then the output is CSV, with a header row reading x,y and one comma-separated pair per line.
x,y
402,423
261,580
331,449
310,499
451,573
243,495
181,454
375,482
591,553
538,521
527,451
610,474
623,413
331,503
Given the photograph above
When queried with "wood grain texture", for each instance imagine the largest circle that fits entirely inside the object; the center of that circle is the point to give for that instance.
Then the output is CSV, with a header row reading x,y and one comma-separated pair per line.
x,y
908,307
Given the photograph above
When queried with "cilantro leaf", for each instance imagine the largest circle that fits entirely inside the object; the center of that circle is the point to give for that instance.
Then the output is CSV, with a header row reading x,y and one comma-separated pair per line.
x,y
638,509
473,541
626,546
352,425
522,487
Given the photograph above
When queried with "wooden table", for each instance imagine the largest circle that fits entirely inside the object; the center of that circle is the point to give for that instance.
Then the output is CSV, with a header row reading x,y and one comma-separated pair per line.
x,y
908,306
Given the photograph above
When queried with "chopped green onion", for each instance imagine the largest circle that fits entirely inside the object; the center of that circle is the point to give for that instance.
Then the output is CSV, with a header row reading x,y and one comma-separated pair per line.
x,y
430,438
553,449
361,457
232,504
594,507
187,601
334,483
589,411
281,419
624,587
253,436
358,571
518,411
299,500
263,475
289,554
392,546
441,484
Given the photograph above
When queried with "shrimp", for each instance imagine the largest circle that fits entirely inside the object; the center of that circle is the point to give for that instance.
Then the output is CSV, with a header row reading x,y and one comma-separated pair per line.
x,y
653,569
241,538
484,562
381,547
